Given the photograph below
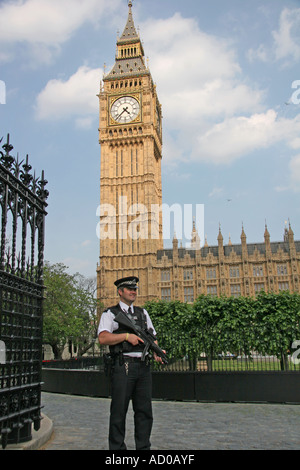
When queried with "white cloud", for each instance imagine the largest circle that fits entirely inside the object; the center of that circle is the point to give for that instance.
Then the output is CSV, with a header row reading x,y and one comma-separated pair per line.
x,y
285,41
198,74
238,136
214,99
287,38
45,24
73,97
211,111
178,42
48,21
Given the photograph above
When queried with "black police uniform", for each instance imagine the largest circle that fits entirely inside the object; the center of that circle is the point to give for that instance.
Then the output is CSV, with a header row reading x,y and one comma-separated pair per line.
x,y
130,380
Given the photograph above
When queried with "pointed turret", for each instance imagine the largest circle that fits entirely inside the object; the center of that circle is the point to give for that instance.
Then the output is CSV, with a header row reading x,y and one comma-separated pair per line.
x,y
290,234
291,242
175,242
244,244
243,235
267,242
129,32
286,233
195,239
220,244
220,237
130,52
266,234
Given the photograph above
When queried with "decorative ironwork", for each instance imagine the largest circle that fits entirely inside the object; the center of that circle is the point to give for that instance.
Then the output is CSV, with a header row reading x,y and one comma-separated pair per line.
x,y
23,210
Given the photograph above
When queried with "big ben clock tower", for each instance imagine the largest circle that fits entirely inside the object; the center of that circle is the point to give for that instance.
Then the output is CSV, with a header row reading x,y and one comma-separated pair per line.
x,y
130,135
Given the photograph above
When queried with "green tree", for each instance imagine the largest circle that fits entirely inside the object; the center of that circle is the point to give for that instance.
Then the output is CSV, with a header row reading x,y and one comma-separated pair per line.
x,y
207,314
168,318
268,324
69,310
278,319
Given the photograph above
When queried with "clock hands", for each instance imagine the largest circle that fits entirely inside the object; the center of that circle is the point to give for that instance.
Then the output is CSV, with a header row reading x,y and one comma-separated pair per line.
x,y
124,109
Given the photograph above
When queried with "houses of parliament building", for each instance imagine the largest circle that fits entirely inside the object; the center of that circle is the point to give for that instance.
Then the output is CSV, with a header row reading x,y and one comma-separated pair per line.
x,y
130,135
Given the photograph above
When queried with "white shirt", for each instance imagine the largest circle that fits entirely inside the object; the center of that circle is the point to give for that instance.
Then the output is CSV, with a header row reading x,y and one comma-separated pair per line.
x,y
107,323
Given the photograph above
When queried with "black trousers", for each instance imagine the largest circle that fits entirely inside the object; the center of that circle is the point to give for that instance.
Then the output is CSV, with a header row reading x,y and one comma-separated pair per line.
x,y
131,380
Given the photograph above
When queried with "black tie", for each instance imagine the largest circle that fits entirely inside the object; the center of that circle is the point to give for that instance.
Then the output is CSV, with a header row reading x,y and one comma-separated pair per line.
x,y
130,313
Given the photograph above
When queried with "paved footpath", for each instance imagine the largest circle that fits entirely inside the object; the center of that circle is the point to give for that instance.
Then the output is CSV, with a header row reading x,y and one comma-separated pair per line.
x,y
81,423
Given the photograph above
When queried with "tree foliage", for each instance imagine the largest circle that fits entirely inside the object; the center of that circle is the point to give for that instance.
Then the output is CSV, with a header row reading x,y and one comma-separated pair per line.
x,y
267,324
69,310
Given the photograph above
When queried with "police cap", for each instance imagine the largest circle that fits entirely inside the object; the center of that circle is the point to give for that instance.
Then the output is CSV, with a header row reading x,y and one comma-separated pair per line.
x,y
130,281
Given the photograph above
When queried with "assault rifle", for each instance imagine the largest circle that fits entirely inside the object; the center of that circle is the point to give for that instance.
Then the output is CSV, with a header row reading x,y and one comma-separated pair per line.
x,y
146,335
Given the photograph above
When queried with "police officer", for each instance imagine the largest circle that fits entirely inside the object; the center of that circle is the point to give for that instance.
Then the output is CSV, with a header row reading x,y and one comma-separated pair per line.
x,y
131,377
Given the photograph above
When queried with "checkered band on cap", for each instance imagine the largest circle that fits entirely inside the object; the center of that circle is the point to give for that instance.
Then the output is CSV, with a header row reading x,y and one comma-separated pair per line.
x,y
127,282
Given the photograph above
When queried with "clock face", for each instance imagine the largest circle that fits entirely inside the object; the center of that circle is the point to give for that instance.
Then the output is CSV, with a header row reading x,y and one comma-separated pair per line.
x,y
125,109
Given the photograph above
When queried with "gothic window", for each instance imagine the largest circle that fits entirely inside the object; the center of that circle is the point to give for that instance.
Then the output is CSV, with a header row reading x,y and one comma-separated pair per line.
x,y
281,269
165,275
187,274
166,294
189,294
259,286
258,271
212,290
235,290
283,285
234,272
211,273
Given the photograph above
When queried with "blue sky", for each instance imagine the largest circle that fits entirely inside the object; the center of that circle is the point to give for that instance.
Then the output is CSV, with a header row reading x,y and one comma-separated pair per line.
x,y
224,71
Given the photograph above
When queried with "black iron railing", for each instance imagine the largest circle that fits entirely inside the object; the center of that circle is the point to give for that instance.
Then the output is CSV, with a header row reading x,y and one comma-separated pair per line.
x,y
222,362
23,210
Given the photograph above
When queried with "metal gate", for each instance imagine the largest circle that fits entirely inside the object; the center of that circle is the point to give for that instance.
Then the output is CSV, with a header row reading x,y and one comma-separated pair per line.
x,y
23,203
